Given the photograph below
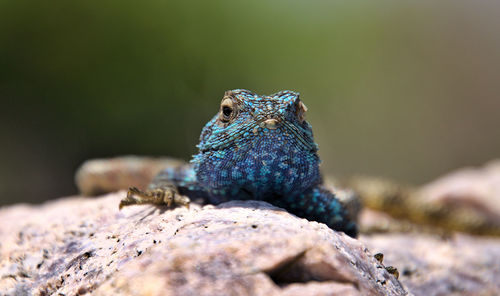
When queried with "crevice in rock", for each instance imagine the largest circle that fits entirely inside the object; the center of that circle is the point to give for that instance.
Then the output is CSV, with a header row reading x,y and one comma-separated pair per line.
x,y
295,270
280,275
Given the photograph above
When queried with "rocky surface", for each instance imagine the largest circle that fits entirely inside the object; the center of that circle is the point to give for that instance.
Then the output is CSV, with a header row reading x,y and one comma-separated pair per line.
x,y
75,246
467,200
371,222
99,176
434,265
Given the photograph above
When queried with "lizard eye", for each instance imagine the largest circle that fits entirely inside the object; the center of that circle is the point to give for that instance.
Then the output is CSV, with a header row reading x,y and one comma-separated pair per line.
x,y
226,110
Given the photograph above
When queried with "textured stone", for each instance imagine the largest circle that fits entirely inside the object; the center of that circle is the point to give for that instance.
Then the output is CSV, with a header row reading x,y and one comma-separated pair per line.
x,y
467,200
434,265
371,221
99,176
75,246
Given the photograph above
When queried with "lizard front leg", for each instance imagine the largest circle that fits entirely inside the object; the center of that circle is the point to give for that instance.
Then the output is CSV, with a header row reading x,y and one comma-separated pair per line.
x,y
319,204
158,196
167,188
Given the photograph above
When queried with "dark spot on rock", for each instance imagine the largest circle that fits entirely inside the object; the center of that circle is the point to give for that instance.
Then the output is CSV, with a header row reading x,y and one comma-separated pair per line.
x,y
71,247
20,236
393,270
80,259
82,290
407,271
76,233
88,254
178,279
254,226
382,282
379,257
139,252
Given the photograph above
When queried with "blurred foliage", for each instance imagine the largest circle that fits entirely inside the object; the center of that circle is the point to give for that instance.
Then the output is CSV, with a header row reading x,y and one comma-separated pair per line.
x,y
407,90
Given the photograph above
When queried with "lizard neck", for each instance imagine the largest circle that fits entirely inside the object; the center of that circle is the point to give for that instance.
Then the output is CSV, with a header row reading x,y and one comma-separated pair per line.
x,y
265,168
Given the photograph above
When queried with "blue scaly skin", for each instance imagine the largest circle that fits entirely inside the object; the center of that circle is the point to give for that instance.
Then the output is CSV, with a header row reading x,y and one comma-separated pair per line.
x,y
259,148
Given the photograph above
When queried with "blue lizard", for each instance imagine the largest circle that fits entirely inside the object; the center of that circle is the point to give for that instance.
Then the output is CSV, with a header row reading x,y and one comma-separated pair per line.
x,y
256,147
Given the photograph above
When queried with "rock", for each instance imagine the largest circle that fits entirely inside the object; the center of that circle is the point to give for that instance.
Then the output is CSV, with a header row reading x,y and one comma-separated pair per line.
x,y
75,246
432,265
99,176
371,221
467,200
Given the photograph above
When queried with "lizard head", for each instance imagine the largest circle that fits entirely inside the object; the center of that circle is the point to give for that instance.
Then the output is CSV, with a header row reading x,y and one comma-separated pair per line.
x,y
257,147
245,117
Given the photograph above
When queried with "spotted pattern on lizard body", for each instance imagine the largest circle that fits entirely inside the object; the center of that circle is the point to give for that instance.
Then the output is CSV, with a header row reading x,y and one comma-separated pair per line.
x,y
256,147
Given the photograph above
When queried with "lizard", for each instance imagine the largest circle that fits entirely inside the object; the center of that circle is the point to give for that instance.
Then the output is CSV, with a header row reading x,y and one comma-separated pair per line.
x,y
255,148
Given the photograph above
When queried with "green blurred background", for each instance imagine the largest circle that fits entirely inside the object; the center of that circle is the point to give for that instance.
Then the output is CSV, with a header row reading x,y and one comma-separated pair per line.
x,y
403,89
